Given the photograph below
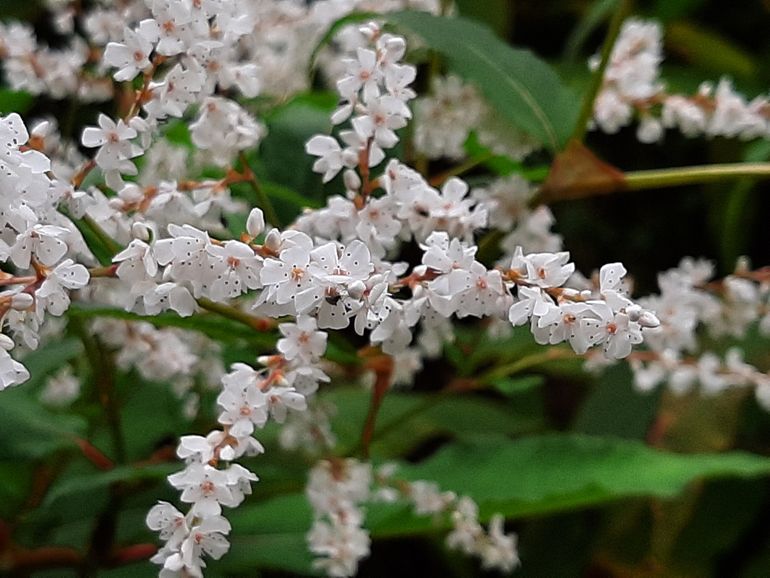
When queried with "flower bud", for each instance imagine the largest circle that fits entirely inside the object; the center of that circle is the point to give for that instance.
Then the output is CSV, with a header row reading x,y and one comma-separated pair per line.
x,y
634,312
6,342
648,319
356,289
141,231
352,180
22,301
131,193
273,240
255,224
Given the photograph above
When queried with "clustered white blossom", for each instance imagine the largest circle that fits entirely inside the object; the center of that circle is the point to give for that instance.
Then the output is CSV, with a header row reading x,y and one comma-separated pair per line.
x,y
689,302
338,489
632,90
334,267
453,110
37,240
211,478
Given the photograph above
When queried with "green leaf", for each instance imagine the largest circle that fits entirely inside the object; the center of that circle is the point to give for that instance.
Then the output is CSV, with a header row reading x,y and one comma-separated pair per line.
x,y
84,484
726,510
212,325
29,431
15,481
497,14
558,472
523,89
503,165
407,419
599,11
285,195
616,408
48,359
514,385
14,101
736,210
28,10
292,185
706,49
271,534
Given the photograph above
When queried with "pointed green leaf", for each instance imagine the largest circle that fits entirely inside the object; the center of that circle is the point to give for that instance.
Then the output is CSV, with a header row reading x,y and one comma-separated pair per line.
x,y
558,472
520,86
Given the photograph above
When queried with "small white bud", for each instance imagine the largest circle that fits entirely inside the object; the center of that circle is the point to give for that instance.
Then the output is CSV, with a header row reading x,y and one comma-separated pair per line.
x,y
255,224
141,231
650,130
352,180
22,301
227,453
743,264
634,312
648,319
263,359
6,342
131,193
273,240
356,289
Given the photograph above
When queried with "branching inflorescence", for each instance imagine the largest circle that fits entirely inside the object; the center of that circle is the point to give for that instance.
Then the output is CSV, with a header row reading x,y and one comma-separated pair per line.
x,y
334,268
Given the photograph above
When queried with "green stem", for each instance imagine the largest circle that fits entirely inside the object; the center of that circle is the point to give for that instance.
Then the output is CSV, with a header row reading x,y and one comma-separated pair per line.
x,y
235,314
521,364
399,421
107,243
468,165
264,201
587,107
103,372
662,178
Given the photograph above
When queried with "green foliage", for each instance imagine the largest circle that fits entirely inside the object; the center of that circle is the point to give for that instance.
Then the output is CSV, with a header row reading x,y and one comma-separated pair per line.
x,y
523,89
587,470
14,101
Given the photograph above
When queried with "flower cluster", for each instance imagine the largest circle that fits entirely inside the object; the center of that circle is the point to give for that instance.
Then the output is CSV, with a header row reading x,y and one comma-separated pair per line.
x,y
690,301
632,89
338,489
37,240
343,266
453,110
211,478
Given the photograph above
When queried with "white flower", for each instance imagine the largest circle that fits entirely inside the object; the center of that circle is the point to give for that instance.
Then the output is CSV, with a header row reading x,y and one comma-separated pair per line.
x,y
281,399
331,158
133,54
11,371
170,522
42,241
224,129
236,268
115,148
244,408
203,486
206,537
52,294
301,340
